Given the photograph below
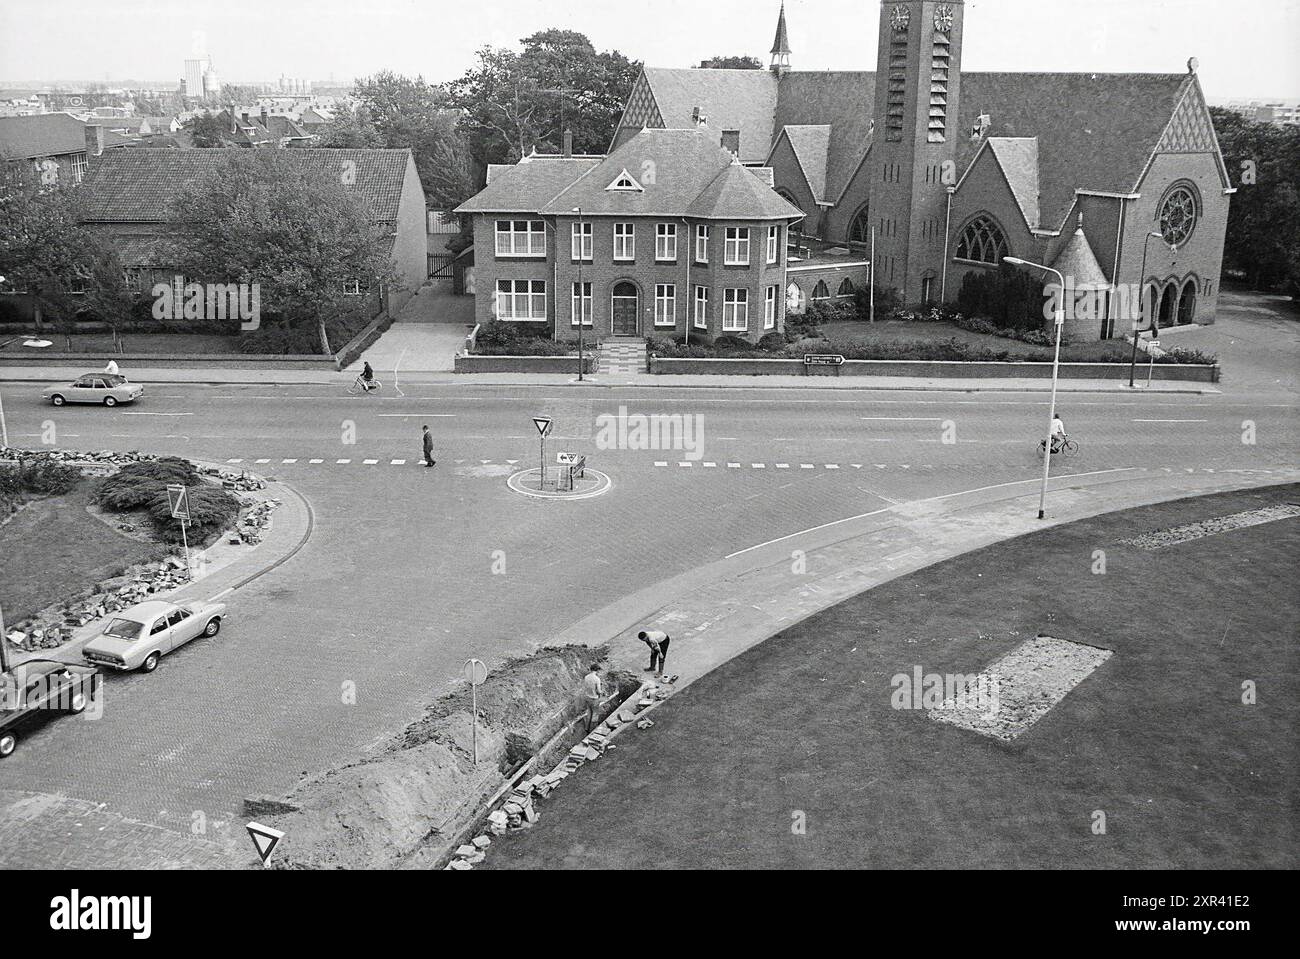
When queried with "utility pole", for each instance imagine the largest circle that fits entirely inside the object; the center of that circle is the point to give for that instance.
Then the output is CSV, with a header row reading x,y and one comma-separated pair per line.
x,y
4,644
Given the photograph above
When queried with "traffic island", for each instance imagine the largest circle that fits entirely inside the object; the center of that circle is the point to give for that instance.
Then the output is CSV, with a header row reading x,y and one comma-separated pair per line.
x,y
560,482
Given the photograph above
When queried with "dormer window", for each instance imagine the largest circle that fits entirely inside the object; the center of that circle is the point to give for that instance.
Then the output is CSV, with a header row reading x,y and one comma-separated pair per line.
x,y
624,183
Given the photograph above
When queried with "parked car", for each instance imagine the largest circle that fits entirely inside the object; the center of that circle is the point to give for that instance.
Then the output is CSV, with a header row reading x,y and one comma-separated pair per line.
x,y
108,389
38,689
138,637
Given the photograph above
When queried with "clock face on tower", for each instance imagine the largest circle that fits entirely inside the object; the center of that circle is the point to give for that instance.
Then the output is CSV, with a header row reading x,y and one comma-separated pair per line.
x,y
943,18
900,17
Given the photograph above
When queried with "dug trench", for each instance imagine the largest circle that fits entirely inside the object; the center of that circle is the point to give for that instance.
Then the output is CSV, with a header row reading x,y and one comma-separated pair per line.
x,y
408,804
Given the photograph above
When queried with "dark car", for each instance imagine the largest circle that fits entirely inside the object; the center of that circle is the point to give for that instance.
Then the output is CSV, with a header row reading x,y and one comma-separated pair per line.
x,y
39,688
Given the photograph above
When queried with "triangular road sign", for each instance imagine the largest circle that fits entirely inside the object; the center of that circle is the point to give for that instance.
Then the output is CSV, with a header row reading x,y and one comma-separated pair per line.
x,y
543,424
265,839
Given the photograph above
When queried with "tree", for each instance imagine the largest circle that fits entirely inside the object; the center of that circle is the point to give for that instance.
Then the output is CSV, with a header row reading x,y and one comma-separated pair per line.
x,y
1263,238
732,63
205,130
352,131
515,102
260,217
44,248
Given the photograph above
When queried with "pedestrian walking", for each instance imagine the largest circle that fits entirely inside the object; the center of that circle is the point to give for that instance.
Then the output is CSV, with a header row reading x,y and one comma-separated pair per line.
x,y
593,693
428,449
658,643
111,369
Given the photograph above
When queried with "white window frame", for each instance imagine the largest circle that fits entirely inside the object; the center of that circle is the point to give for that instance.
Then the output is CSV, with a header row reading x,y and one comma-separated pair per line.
x,y
79,164
624,242
533,295
702,234
737,239
735,310
773,244
522,238
701,300
351,287
665,242
583,242
625,183
769,307
665,304
586,307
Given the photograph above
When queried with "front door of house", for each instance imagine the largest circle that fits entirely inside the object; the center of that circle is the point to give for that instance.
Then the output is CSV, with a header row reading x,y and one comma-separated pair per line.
x,y
626,307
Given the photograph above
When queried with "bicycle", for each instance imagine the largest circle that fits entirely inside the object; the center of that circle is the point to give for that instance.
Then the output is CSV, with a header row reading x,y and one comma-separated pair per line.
x,y
362,385
1067,447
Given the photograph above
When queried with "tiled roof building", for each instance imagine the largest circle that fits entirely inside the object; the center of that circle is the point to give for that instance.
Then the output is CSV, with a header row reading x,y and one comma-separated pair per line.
x,y
919,154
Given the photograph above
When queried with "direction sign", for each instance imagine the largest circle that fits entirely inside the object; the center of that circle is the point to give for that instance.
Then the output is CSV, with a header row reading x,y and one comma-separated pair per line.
x,y
265,839
1151,343
823,359
543,424
567,459
179,501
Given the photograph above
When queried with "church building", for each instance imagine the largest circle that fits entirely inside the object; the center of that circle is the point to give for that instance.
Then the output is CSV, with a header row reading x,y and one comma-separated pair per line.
x,y
1115,179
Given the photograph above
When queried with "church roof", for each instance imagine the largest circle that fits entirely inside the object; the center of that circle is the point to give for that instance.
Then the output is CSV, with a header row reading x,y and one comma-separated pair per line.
x,y
743,100
841,99
811,146
1018,159
1077,260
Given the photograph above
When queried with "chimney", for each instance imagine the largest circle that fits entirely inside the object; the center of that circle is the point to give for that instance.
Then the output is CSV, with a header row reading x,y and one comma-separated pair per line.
x,y
245,116
568,143
94,140
264,123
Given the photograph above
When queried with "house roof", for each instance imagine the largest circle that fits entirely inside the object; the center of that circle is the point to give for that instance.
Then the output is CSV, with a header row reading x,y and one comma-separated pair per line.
x,y
42,135
680,173
139,186
841,99
811,146
1018,159
743,100
1077,260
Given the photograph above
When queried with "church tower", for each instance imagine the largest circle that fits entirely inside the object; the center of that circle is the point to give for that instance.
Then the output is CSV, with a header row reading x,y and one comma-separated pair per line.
x,y
781,46
913,151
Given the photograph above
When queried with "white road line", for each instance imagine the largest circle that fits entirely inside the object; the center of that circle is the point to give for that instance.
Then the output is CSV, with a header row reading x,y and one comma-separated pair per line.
x,y
1171,421
832,466
141,413
709,466
315,461
733,466
661,464
342,462
806,466
234,461
259,462
284,462
430,416
932,499
370,462
685,465
397,463
783,466
905,419
759,466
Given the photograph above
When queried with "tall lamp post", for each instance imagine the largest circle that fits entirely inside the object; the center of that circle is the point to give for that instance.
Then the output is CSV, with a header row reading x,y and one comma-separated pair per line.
x,y
4,645
1142,292
582,299
1056,368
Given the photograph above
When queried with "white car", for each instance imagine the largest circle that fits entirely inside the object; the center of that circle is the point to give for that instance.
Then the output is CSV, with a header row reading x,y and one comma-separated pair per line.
x,y
138,637
107,389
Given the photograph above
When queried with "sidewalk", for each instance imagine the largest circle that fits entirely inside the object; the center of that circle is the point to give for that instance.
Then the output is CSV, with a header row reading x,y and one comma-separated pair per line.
x,y
223,377
721,610
426,336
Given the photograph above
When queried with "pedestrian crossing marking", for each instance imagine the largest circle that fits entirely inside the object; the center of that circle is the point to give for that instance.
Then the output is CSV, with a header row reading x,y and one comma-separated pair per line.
x,y
288,461
369,462
261,461
661,464
806,466
686,465
315,461
709,466
342,462
234,461
783,466
398,463
733,466
833,466
759,466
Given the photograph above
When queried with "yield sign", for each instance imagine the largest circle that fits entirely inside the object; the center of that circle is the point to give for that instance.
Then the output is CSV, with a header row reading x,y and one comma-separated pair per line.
x,y
265,839
543,424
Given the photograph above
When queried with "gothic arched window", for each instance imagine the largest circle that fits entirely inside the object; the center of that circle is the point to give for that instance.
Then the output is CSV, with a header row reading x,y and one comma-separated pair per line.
x,y
1178,215
983,242
821,291
846,288
860,228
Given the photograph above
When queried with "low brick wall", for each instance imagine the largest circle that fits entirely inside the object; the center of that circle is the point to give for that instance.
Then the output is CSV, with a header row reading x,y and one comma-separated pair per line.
x,y
932,369
472,363
174,361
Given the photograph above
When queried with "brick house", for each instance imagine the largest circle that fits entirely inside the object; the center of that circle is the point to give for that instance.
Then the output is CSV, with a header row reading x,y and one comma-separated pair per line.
x,y
947,171
128,195
56,144
669,234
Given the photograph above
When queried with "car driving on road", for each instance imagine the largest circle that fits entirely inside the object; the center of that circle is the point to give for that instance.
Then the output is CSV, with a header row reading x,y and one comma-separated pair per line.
x,y
138,637
38,689
107,389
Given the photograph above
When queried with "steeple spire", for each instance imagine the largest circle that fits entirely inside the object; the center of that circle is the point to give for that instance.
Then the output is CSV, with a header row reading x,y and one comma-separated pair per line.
x,y
781,45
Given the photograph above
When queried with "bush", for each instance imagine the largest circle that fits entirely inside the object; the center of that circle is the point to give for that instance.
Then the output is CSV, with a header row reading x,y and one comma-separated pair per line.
x,y
1008,297
729,342
773,342
503,338
212,509
137,485
41,476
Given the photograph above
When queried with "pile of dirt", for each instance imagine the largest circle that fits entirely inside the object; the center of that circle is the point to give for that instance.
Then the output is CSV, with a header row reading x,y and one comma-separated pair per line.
x,y
374,813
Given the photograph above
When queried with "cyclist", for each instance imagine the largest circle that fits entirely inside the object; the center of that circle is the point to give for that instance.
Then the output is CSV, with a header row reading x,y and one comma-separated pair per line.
x,y
1058,432
368,377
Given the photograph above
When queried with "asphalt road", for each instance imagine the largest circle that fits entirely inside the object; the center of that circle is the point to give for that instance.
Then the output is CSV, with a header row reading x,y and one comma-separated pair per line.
x,y
396,587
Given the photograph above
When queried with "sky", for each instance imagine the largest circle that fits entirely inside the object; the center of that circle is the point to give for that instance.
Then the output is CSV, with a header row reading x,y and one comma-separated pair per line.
x,y
1246,48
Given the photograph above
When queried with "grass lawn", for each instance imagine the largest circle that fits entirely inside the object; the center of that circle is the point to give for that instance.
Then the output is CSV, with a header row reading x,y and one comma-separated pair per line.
x,y
161,343
856,331
1157,738
53,549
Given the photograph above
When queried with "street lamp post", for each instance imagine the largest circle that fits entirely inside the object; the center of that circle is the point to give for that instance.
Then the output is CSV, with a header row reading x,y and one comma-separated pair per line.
x,y
582,299
4,645
1056,368
1142,292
